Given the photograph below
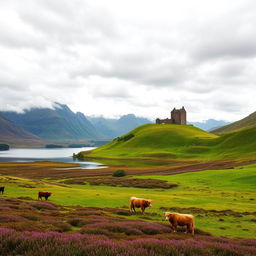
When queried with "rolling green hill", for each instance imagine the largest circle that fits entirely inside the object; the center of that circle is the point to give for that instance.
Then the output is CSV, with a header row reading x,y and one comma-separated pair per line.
x,y
178,142
245,123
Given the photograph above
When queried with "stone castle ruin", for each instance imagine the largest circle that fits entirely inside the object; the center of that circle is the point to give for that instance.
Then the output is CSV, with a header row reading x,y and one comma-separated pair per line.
x,y
178,116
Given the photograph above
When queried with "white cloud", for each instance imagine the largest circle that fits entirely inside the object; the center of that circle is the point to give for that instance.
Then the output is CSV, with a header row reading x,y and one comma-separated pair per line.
x,y
117,57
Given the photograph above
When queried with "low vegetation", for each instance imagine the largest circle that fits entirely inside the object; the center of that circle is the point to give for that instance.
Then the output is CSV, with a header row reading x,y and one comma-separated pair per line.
x,y
4,147
122,182
95,231
119,173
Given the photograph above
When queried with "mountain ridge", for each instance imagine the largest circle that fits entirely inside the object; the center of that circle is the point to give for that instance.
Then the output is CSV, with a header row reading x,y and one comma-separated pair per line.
x,y
245,123
58,124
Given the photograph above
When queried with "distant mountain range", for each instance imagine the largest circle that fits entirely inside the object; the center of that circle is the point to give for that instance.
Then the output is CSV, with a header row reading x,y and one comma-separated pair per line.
x,y
247,122
63,125
42,125
111,128
209,124
15,135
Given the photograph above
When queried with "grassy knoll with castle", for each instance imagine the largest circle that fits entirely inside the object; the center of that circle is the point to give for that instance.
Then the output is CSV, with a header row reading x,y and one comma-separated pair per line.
x,y
183,142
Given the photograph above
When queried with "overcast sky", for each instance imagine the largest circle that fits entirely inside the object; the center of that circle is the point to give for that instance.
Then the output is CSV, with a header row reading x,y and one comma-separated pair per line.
x,y
139,56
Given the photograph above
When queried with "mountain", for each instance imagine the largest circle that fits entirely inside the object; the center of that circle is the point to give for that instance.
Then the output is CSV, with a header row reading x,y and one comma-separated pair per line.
x,y
180,142
14,135
111,128
245,123
57,124
209,124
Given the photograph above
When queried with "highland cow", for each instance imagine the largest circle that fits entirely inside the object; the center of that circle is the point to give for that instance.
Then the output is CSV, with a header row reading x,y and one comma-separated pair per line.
x,y
43,194
178,219
2,189
139,203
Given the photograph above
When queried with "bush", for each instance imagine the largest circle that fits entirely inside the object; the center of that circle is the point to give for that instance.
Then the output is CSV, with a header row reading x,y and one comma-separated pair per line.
x,y
126,137
77,222
119,173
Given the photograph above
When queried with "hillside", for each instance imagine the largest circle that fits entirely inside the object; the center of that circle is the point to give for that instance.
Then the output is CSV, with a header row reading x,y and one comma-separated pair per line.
x,y
179,142
153,140
57,124
111,128
14,135
247,122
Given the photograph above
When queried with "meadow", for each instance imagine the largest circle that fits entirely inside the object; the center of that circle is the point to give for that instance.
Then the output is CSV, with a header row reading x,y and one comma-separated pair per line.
x,y
223,201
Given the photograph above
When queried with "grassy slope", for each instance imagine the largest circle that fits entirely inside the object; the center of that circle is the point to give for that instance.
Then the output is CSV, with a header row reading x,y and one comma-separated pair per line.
x,y
179,141
232,189
247,122
14,135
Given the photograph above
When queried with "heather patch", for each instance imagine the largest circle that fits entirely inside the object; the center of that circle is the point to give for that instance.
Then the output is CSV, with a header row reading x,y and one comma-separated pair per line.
x,y
122,182
59,244
69,231
11,218
44,206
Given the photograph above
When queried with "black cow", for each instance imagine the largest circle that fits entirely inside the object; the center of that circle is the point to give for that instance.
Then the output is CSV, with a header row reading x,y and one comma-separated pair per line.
x,y
2,189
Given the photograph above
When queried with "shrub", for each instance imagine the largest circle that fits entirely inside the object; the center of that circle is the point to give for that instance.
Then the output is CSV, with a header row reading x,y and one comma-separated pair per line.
x,y
30,216
61,226
77,222
125,138
11,218
119,173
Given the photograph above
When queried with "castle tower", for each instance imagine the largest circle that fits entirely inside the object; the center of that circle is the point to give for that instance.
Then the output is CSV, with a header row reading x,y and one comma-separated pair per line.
x,y
179,116
183,116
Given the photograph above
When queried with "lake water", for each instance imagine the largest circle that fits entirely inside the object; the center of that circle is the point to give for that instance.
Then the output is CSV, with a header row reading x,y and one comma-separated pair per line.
x,y
47,154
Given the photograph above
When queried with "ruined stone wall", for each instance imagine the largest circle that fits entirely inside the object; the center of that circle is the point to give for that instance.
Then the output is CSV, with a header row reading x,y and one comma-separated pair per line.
x,y
164,121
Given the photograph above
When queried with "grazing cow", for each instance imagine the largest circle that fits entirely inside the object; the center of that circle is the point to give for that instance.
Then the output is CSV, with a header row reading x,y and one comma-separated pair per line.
x,y
178,219
43,194
2,189
139,203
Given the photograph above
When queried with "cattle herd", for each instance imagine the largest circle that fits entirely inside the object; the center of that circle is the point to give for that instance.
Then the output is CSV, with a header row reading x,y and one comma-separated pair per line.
x,y
175,219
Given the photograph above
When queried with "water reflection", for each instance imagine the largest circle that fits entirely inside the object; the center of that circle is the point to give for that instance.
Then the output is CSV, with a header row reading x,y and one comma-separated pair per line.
x,y
48,154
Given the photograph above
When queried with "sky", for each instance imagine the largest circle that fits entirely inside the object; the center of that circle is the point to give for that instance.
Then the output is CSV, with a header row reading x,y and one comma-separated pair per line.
x,y
110,58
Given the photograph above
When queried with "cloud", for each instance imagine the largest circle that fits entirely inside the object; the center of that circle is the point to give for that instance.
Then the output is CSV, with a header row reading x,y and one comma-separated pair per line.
x,y
114,57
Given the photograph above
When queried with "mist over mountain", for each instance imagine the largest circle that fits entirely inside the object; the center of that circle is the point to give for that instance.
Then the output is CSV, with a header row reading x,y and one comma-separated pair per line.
x,y
111,128
57,124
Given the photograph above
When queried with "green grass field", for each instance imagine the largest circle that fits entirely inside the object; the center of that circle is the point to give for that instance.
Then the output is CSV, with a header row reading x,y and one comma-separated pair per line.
x,y
172,141
205,191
